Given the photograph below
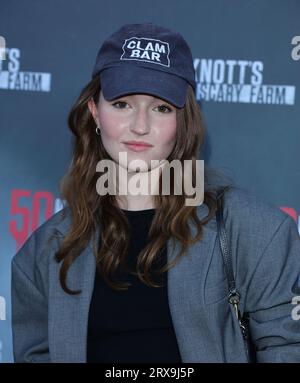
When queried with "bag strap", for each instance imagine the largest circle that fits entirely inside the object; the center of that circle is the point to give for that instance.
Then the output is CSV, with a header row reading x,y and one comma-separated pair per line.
x,y
234,295
226,253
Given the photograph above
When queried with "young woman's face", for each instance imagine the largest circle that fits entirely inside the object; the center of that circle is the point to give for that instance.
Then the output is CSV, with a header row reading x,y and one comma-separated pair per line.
x,y
137,117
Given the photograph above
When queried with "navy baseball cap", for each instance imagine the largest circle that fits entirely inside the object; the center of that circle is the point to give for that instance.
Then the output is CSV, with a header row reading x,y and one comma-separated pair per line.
x,y
145,58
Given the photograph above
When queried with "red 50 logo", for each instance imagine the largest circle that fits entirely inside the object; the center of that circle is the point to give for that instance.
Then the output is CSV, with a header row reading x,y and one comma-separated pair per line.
x,y
28,219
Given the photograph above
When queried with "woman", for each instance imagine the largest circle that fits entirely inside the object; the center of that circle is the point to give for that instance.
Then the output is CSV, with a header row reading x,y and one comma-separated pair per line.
x,y
140,277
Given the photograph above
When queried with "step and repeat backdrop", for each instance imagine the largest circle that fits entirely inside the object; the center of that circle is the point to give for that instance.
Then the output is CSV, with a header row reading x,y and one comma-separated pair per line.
x,y
247,63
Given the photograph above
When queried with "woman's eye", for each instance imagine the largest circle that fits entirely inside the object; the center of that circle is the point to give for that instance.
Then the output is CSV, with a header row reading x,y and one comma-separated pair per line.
x,y
164,107
120,103
161,108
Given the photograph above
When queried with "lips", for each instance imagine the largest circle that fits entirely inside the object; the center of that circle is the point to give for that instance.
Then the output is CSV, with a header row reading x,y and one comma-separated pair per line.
x,y
138,143
137,146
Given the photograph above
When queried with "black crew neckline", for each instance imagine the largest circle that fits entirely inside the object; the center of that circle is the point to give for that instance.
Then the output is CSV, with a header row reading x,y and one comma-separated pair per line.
x,y
138,212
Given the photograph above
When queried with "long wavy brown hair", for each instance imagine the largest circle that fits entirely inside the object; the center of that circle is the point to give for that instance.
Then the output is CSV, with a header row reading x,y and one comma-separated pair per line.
x,y
90,211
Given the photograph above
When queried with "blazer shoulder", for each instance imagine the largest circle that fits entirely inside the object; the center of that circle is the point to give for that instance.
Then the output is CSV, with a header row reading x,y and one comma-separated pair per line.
x,y
42,243
252,224
245,209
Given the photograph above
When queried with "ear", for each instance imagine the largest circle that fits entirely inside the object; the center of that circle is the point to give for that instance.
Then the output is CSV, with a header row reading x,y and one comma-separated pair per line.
x,y
93,109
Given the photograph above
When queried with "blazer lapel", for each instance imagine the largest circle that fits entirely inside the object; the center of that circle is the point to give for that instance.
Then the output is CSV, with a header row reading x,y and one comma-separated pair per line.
x,y
186,284
68,314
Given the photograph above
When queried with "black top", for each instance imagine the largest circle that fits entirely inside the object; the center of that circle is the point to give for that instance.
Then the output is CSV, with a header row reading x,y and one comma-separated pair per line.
x,y
132,326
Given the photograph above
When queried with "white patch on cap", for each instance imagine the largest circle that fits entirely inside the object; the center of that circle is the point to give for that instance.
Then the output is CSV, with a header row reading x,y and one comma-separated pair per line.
x,y
148,50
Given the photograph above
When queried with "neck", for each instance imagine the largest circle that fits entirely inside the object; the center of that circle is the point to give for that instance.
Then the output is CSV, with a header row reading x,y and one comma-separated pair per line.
x,y
136,190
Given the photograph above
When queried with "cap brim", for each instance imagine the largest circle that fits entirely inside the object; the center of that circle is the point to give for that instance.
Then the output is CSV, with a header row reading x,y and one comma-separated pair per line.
x,y
122,80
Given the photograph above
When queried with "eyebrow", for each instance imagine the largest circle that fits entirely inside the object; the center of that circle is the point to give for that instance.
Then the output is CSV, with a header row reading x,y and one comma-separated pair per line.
x,y
153,98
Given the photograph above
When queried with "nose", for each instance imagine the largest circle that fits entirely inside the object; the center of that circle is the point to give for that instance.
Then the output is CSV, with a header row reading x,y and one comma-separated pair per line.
x,y
140,123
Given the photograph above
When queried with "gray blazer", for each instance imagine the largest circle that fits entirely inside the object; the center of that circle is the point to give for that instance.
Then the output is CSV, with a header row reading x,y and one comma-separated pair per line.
x,y
51,326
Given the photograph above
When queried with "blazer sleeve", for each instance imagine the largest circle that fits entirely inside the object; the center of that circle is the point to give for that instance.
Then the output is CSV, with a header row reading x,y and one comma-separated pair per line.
x,y
29,308
269,299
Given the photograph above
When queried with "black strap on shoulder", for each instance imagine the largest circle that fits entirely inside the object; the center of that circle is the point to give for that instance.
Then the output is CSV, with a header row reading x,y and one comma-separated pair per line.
x,y
234,295
225,249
